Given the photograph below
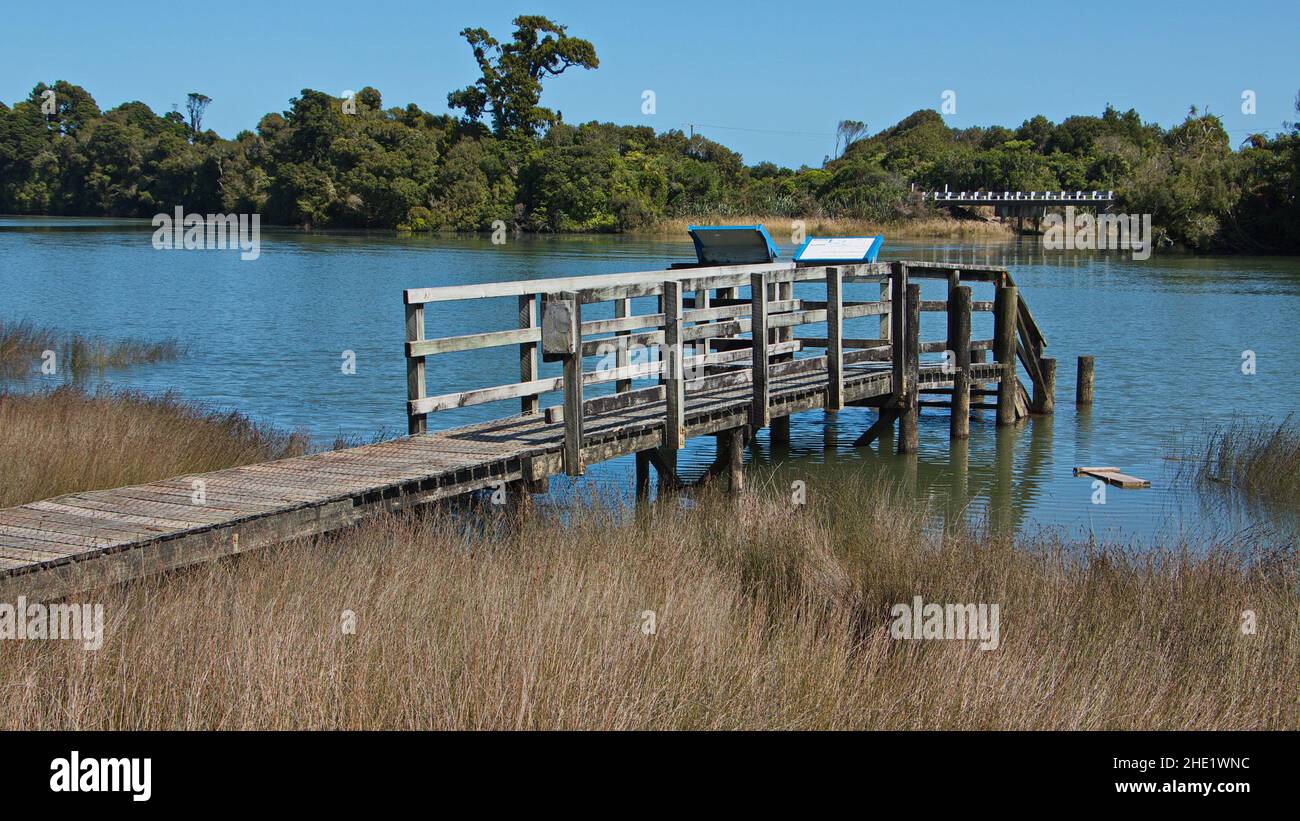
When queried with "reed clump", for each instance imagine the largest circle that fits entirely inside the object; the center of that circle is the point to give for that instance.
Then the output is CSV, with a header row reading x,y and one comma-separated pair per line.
x,y
67,439
25,347
713,613
1259,459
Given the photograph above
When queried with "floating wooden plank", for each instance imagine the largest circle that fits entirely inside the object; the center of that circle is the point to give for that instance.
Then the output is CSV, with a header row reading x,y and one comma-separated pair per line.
x,y
1112,476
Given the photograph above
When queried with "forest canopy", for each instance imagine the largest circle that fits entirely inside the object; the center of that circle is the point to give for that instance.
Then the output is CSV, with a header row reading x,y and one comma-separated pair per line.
x,y
354,163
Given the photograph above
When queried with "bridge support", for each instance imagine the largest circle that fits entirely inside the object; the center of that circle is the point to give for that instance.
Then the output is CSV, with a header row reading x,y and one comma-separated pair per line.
x,y
642,475
959,316
1045,389
1005,308
735,439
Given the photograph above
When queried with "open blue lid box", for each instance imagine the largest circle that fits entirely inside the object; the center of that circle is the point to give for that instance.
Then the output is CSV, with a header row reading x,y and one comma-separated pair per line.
x,y
733,244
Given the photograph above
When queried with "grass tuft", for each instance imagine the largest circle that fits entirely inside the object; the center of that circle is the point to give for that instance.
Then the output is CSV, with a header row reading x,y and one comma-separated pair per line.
x,y
23,347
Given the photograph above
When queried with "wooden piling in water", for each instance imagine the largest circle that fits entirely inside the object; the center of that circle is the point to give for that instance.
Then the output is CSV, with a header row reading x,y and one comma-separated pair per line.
x,y
1005,308
959,318
1045,391
1083,381
736,460
908,433
642,475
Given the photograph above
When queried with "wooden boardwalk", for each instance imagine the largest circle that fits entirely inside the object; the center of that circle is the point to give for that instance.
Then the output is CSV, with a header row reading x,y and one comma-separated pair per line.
x,y
79,541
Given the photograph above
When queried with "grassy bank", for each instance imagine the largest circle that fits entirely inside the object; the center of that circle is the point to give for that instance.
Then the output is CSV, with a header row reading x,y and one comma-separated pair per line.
x,y
65,440
23,347
1259,459
782,228
764,617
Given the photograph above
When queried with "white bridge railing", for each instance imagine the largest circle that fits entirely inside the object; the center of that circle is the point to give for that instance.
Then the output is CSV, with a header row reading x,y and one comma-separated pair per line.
x,y
1019,196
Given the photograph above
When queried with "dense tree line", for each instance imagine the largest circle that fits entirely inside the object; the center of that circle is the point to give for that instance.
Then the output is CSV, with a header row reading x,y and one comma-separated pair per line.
x,y
330,162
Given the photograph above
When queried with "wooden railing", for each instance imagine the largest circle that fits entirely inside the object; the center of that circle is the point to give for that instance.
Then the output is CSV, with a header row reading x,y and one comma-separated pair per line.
x,y
695,343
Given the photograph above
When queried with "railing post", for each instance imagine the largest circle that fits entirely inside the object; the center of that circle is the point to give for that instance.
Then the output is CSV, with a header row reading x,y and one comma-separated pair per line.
x,y
834,339
528,352
885,317
908,434
622,309
674,383
959,319
759,414
703,300
415,422
780,427
1005,308
573,465
898,327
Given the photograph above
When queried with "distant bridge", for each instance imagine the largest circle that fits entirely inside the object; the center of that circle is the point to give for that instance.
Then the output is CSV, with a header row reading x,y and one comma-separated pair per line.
x,y
1044,198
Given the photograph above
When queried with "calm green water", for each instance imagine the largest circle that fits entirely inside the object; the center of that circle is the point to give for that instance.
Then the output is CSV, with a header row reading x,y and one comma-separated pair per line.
x,y
266,337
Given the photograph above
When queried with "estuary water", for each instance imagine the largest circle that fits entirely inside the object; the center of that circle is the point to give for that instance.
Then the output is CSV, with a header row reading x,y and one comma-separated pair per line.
x,y
268,337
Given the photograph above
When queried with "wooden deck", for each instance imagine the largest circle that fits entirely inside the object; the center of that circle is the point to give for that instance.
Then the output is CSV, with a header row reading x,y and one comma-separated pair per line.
x,y
83,540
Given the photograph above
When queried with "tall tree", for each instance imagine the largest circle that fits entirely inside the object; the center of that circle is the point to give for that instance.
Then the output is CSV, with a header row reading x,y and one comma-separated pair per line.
x,y
846,133
510,87
196,104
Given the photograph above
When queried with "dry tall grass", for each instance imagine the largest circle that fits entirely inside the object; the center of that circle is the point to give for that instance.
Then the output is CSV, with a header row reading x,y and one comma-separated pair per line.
x,y
781,227
766,617
66,440
23,344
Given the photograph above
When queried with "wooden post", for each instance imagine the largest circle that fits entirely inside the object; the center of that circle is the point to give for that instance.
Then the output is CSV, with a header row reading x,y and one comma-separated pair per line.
x,y
528,352
783,291
674,378
1005,308
1045,392
1083,381
573,389
884,318
898,326
622,309
908,434
834,339
703,300
642,475
959,319
415,422
759,415
736,460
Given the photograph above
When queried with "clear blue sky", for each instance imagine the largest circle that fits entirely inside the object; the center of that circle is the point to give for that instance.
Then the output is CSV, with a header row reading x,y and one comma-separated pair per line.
x,y
777,66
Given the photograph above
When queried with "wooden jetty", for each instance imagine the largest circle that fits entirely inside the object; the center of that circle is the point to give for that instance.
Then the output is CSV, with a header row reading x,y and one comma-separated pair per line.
x,y
696,348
